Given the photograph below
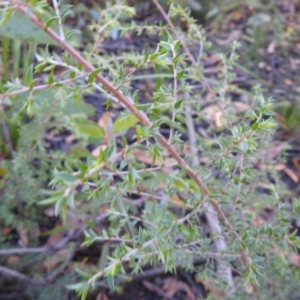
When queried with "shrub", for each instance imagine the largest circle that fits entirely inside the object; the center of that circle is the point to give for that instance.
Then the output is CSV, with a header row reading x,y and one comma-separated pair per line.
x,y
167,177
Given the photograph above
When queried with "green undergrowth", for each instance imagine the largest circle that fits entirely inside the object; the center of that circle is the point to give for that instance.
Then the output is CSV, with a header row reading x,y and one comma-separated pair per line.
x,y
198,116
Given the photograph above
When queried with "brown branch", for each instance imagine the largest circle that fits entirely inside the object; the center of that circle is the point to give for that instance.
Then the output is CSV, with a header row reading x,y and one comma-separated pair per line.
x,y
186,49
139,114
49,278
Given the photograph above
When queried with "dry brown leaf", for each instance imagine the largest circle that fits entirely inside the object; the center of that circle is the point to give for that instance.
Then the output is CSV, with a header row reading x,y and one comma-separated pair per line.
x,y
249,289
258,221
294,64
272,152
97,150
53,261
288,82
212,70
236,15
49,212
280,167
6,230
102,296
141,156
234,35
13,260
22,231
240,107
215,114
70,138
211,286
272,46
54,238
212,59
261,65
296,163
172,286
293,176
106,123
294,259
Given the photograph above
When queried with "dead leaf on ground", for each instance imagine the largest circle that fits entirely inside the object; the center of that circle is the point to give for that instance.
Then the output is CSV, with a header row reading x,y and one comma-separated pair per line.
x,y
212,70
240,107
142,156
258,221
288,82
279,167
236,15
293,176
249,289
272,152
212,59
215,114
22,231
13,260
54,239
172,286
210,285
294,259
70,138
97,150
102,296
6,230
272,46
283,168
104,122
234,35
296,163
51,262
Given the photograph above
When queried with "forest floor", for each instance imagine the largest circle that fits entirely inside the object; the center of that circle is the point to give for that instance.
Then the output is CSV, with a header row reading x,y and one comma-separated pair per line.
x,y
269,57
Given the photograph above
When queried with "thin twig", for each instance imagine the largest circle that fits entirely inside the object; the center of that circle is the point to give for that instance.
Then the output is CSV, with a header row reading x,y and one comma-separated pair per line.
x,y
175,92
60,25
186,49
213,222
51,277
25,89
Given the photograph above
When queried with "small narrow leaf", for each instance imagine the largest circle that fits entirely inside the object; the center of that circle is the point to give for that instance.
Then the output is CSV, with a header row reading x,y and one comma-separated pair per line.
x,y
124,123
180,74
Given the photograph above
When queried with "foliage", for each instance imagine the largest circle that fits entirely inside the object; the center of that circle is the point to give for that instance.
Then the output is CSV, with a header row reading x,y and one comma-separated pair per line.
x,y
168,230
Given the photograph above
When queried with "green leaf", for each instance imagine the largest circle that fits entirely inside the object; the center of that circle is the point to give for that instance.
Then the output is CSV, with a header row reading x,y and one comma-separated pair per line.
x,y
244,146
123,123
7,13
111,282
49,22
180,74
108,151
255,126
88,128
139,131
165,45
64,176
51,200
19,27
70,200
141,237
154,56
93,74
178,104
